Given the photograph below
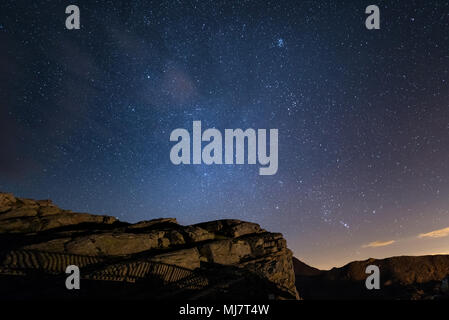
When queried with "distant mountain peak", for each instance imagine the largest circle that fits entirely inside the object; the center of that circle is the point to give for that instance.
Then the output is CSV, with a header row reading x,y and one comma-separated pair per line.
x,y
303,269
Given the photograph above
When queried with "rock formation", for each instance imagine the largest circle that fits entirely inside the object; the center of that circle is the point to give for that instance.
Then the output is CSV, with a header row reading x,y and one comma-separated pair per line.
x,y
150,259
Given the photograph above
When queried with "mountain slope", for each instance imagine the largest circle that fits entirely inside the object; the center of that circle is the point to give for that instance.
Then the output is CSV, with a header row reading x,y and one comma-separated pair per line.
x,y
404,277
302,269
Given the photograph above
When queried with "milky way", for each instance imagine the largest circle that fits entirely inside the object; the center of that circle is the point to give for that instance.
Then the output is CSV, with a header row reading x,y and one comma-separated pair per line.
x,y
363,119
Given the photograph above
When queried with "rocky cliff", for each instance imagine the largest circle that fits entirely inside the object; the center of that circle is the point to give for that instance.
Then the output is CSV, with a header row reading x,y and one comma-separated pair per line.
x,y
151,259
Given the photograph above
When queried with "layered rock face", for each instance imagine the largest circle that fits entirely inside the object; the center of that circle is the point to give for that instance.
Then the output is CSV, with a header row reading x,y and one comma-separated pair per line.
x,y
218,259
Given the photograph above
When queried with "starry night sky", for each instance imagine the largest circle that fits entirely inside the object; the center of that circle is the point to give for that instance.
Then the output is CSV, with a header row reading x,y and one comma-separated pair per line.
x,y
363,118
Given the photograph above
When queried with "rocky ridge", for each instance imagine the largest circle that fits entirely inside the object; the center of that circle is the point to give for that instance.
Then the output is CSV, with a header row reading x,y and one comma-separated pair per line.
x,y
225,258
401,278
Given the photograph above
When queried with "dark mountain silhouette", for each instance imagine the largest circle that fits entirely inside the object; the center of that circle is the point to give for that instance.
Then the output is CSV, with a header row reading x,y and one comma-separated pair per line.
x,y
302,269
405,277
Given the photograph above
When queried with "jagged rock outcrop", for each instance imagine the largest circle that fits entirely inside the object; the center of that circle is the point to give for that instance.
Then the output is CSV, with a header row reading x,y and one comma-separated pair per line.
x,y
23,216
225,258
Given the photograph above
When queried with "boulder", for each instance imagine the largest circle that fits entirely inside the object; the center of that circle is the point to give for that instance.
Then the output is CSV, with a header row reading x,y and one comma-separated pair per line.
x,y
186,258
151,223
116,244
226,252
28,221
7,201
197,234
19,213
230,228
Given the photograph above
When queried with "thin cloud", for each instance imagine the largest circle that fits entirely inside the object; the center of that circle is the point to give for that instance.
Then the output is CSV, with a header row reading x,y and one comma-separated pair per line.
x,y
377,244
440,233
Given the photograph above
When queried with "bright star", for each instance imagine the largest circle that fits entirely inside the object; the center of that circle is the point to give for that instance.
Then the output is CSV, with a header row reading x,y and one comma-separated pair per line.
x,y
280,43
